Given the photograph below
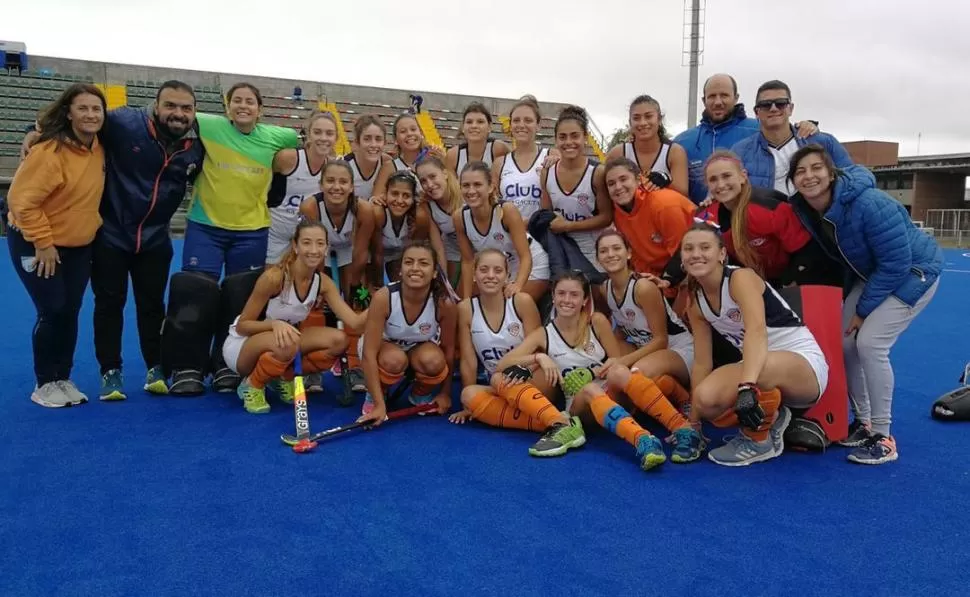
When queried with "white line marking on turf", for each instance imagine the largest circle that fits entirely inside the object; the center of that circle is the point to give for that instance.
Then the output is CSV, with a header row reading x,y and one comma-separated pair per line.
x,y
958,271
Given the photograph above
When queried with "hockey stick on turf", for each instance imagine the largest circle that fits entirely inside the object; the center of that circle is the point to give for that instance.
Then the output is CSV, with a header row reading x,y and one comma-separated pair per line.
x,y
301,442
347,397
396,414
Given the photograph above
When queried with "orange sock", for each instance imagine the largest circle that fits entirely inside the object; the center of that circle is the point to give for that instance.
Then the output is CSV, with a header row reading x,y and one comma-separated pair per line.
x,y
388,378
495,411
528,399
317,361
425,384
672,389
770,402
616,420
267,369
648,398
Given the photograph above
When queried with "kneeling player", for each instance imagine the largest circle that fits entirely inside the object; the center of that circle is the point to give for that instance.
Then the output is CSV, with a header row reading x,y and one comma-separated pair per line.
x,y
576,341
653,340
263,341
410,323
489,326
781,359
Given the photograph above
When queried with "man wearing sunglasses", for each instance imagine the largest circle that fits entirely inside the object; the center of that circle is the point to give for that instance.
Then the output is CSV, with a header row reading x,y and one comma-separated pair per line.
x,y
766,155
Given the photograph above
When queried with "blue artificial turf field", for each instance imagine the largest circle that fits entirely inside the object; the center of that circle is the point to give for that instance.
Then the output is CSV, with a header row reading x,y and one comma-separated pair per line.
x,y
193,496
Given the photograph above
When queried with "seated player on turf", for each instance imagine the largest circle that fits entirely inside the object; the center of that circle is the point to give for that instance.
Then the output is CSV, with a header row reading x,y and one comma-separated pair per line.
x,y
441,193
653,341
489,326
483,223
264,340
781,361
570,350
398,218
410,323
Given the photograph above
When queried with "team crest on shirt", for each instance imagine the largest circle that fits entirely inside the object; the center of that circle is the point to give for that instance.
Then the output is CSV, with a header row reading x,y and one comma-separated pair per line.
x,y
629,314
757,242
583,199
657,238
498,237
424,329
589,348
514,329
734,315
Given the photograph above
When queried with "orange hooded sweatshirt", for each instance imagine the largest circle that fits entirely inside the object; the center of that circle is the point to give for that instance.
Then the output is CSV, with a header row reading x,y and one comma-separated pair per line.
x,y
56,193
654,227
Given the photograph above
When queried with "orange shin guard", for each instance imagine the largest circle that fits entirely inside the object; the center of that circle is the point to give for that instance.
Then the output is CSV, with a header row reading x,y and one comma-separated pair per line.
x,y
317,361
648,398
267,369
672,389
425,384
495,411
528,399
616,420
770,402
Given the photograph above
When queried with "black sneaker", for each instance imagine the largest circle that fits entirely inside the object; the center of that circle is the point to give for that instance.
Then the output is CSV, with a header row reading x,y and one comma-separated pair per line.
x,y
225,381
187,382
356,380
313,382
859,434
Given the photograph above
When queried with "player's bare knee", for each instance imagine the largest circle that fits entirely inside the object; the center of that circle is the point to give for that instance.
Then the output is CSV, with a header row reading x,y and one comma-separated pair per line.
x,y
468,395
707,400
430,362
286,353
393,362
618,377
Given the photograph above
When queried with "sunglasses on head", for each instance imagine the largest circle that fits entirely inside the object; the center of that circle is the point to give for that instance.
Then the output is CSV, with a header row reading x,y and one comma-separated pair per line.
x,y
780,103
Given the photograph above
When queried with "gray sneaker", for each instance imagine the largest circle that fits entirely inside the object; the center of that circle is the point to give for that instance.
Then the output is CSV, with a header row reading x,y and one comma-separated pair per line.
x,y
742,451
50,395
356,380
778,429
67,386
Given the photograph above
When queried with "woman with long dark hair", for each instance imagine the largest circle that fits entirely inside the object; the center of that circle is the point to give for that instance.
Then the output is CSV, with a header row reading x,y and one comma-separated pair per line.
x,y
54,201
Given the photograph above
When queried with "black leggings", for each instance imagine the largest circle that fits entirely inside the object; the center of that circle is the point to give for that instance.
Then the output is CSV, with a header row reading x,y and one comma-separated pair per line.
x,y
57,300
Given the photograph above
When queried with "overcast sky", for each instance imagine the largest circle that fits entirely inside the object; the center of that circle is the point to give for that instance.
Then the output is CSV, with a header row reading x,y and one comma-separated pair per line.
x,y
863,68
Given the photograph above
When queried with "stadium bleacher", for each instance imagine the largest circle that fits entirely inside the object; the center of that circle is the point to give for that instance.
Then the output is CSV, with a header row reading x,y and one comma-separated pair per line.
x,y
24,93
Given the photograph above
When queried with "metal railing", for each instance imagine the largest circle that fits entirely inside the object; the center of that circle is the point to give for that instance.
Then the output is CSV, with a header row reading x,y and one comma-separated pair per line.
x,y
950,227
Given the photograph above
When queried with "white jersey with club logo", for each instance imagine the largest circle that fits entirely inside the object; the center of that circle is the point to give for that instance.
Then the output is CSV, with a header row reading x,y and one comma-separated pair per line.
x,y
340,240
575,206
288,306
394,236
523,188
363,187
490,344
446,226
567,357
786,331
463,160
408,334
496,236
630,319
300,183
660,164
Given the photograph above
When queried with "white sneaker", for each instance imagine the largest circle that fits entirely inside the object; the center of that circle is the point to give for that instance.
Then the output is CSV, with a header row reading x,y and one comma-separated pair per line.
x,y
75,395
51,395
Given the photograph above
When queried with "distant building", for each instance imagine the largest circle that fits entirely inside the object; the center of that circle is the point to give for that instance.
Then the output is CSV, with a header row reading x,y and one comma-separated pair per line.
x,y
920,183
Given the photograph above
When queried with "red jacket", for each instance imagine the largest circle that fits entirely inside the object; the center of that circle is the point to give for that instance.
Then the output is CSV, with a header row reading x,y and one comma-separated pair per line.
x,y
773,229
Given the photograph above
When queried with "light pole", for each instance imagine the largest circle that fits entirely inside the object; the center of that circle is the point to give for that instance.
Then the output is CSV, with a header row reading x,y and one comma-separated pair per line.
x,y
693,51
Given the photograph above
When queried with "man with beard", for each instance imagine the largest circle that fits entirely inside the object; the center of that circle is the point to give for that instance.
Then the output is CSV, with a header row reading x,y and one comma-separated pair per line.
x,y
723,124
153,153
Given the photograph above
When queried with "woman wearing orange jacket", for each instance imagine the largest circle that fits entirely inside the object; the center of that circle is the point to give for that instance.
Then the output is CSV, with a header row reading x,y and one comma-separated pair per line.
x,y
653,221
54,201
